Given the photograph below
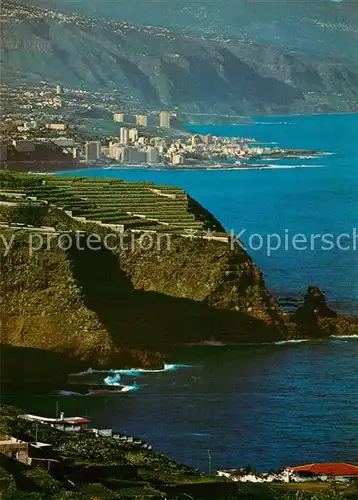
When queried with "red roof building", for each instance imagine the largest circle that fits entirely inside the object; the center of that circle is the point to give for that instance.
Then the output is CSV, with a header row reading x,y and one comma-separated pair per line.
x,y
328,469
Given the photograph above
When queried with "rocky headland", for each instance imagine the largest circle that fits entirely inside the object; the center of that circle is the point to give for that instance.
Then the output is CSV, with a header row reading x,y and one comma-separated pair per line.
x,y
66,310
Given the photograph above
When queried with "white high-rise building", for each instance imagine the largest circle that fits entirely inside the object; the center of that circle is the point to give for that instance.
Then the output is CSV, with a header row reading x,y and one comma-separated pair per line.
x,y
141,120
177,159
124,135
76,153
58,90
152,155
92,151
207,139
115,151
195,140
112,149
118,117
142,140
133,134
164,119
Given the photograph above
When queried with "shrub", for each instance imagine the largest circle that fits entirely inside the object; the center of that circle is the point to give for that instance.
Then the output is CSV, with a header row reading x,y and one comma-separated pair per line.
x,y
30,214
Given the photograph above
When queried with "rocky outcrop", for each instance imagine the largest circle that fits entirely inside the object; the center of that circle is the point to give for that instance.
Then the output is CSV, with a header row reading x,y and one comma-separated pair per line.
x,y
315,318
126,307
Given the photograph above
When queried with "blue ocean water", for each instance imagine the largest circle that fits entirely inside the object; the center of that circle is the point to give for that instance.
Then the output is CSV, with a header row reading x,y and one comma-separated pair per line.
x,y
269,405
319,198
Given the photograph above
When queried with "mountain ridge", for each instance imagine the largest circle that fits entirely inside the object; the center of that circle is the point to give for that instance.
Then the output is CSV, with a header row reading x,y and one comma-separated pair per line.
x,y
159,66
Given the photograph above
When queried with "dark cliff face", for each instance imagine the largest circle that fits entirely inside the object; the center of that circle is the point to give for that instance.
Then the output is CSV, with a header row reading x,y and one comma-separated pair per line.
x,y
92,305
195,72
127,307
315,318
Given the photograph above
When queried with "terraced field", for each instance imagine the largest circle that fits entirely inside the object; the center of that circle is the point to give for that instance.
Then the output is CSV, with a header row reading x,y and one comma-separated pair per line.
x,y
135,205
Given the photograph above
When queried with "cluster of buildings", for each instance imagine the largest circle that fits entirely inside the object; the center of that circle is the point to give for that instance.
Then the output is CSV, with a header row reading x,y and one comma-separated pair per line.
x,y
30,451
133,145
44,99
133,148
26,141
339,471
163,119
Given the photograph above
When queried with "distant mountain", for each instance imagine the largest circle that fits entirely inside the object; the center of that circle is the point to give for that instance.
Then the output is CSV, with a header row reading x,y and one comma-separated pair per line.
x,y
191,70
322,27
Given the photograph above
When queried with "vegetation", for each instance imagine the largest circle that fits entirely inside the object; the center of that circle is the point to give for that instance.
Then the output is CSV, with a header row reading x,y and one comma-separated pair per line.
x,y
114,202
278,71
30,214
106,303
131,296
104,468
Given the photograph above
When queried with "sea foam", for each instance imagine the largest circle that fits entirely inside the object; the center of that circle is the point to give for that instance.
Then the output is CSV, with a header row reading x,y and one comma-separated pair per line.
x,y
134,372
348,337
294,341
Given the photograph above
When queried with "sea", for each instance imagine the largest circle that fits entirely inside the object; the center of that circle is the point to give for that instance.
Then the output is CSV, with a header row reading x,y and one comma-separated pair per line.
x,y
269,405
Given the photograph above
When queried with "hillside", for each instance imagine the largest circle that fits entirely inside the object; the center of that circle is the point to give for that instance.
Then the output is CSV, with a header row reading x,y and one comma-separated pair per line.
x,y
178,67
79,292
104,468
118,306
321,28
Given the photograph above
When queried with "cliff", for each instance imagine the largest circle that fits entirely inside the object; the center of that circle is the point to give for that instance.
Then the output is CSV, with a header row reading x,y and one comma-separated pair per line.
x,y
119,307
69,304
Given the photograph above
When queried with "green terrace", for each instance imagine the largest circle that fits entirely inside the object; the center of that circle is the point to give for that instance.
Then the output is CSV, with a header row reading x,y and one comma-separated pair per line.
x,y
131,204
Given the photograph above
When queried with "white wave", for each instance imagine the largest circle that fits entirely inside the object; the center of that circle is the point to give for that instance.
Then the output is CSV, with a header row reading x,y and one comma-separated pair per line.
x,y
124,388
113,380
261,143
134,371
306,157
130,388
294,341
273,123
275,166
349,337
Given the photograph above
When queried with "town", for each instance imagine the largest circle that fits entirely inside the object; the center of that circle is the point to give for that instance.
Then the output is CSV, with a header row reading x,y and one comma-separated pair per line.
x,y
56,128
